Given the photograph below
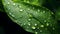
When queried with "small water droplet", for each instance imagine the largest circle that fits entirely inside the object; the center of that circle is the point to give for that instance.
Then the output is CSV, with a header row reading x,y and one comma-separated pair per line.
x,y
47,24
44,20
43,11
53,28
11,14
24,23
13,3
29,24
21,10
8,3
29,19
42,26
33,27
36,32
28,2
30,15
19,6
33,8
38,10
28,9
40,30
35,24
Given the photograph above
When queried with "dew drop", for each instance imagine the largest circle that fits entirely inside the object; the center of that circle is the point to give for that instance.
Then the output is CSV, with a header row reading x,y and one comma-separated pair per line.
x,y
33,27
30,15
29,19
28,2
8,3
43,11
21,10
19,6
44,20
40,30
29,24
11,14
28,9
35,24
13,3
24,23
36,32
33,8
38,10
47,24
53,28
42,26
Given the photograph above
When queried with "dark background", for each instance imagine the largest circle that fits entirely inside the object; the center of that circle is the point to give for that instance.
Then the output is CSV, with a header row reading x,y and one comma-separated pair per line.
x,y
7,26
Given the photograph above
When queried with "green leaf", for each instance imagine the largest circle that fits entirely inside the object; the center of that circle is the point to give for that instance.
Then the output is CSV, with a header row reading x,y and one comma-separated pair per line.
x,y
32,18
34,2
1,6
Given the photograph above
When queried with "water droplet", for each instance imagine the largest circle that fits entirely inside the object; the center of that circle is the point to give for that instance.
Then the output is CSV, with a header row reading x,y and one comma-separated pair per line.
x,y
13,3
53,28
38,10
43,11
35,24
28,2
11,14
36,32
30,15
21,10
8,3
33,8
47,24
24,23
44,20
33,27
29,19
42,26
29,24
40,30
28,9
19,6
